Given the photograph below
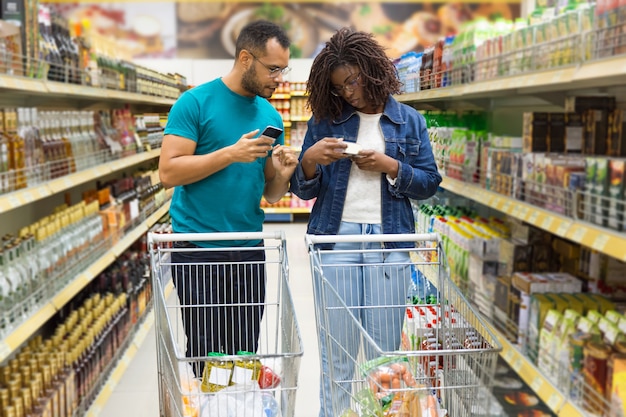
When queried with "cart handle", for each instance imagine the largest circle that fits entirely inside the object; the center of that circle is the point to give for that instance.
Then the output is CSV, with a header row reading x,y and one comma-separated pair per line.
x,y
190,237
400,237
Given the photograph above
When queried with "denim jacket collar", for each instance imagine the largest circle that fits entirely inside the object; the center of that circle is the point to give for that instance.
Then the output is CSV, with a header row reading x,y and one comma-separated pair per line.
x,y
391,111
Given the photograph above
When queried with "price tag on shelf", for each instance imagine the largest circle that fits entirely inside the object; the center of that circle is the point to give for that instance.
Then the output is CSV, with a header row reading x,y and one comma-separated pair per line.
x,y
600,242
41,192
517,364
579,234
554,402
68,183
563,228
14,201
547,222
523,212
508,355
534,216
537,384
28,197
506,207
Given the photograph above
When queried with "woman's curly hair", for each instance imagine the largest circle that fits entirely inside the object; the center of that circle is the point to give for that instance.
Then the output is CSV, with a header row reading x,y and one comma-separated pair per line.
x,y
348,47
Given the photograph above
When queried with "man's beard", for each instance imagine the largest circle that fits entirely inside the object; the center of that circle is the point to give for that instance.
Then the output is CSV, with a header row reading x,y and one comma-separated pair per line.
x,y
250,83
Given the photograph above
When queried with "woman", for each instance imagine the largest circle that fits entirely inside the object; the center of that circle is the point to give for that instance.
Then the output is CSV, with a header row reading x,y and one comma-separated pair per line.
x,y
364,191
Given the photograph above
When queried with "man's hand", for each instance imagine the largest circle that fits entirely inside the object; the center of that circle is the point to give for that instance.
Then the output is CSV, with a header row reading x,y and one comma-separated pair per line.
x,y
248,148
284,160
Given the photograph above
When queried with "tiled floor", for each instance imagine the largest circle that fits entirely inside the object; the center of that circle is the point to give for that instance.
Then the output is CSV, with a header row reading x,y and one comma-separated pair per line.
x,y
136,393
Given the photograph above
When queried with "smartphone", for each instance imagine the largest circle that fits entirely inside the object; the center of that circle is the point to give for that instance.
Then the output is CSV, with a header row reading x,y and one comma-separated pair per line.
x,y
272,132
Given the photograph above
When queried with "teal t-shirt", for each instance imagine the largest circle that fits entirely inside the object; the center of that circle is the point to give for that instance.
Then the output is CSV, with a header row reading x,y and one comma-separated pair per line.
x,y
228,201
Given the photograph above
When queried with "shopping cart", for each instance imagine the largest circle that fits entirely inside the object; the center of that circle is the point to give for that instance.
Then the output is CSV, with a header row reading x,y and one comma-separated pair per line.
x,y
253,381
434,354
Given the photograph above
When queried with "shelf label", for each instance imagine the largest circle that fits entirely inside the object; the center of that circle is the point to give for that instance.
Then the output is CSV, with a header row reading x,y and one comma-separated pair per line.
x,y
42,192
563,228
517,365
579,234
508,355
554,401
28,197
68,183
14,201
547,222
600,242
537,384
507,206
534,216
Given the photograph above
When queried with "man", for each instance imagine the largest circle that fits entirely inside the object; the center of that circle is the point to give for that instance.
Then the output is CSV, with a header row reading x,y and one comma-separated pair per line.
x,y
220,167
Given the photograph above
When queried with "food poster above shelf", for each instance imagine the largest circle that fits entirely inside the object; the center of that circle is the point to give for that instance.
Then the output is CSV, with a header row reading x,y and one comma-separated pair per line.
x,y
207,30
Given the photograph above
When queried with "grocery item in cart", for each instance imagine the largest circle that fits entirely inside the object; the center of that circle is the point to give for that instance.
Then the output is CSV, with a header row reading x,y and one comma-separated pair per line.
x,y
216,375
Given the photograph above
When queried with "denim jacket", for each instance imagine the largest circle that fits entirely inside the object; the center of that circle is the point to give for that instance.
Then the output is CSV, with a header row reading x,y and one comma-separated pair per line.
x,y
406,140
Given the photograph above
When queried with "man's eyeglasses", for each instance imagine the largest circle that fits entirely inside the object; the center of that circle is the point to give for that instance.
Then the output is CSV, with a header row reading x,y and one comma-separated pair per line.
x,y
273,72
349,86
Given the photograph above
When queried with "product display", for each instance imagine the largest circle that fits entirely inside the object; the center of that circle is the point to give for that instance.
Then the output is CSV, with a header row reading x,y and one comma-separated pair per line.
x,y
78,189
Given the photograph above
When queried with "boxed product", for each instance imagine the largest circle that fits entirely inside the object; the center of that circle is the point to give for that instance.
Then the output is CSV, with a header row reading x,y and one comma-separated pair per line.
x,y
547,341
556,136
514,256
617,177
600,187
617,131
573,133
535,131
595,132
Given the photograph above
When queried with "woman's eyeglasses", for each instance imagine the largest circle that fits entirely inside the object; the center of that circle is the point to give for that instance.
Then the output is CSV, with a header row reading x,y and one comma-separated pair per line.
x,y
273,72
349,86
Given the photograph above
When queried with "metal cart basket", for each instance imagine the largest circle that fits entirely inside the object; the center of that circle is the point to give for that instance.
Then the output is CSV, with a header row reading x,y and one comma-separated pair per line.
x,y
431,350
234,381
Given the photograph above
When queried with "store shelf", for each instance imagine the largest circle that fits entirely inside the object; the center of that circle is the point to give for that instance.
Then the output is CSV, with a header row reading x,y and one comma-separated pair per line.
x,y
300,118
26,196
29,327
284,96
126,359
38,86
603,240
591,74
528,372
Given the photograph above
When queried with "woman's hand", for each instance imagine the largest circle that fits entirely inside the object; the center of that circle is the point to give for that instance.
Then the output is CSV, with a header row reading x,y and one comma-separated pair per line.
x,y
370,160
325,151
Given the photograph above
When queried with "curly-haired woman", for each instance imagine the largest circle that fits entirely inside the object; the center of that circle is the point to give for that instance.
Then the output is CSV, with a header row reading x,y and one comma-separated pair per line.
x,y
361,189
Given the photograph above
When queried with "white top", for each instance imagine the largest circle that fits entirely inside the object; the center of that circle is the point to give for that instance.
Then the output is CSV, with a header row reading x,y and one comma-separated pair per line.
x,y
363,198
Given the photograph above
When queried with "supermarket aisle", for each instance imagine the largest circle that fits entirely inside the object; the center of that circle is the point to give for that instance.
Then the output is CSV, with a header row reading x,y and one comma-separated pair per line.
x,y
136,393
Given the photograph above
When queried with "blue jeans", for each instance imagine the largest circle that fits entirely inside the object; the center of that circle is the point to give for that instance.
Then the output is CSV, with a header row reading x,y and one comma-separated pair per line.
x,y
361,280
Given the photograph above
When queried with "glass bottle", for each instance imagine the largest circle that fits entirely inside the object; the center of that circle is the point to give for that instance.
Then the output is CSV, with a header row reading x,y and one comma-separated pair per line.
x,y
51,53
16,150
65,147
41,169
7,296
4,157
18,282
